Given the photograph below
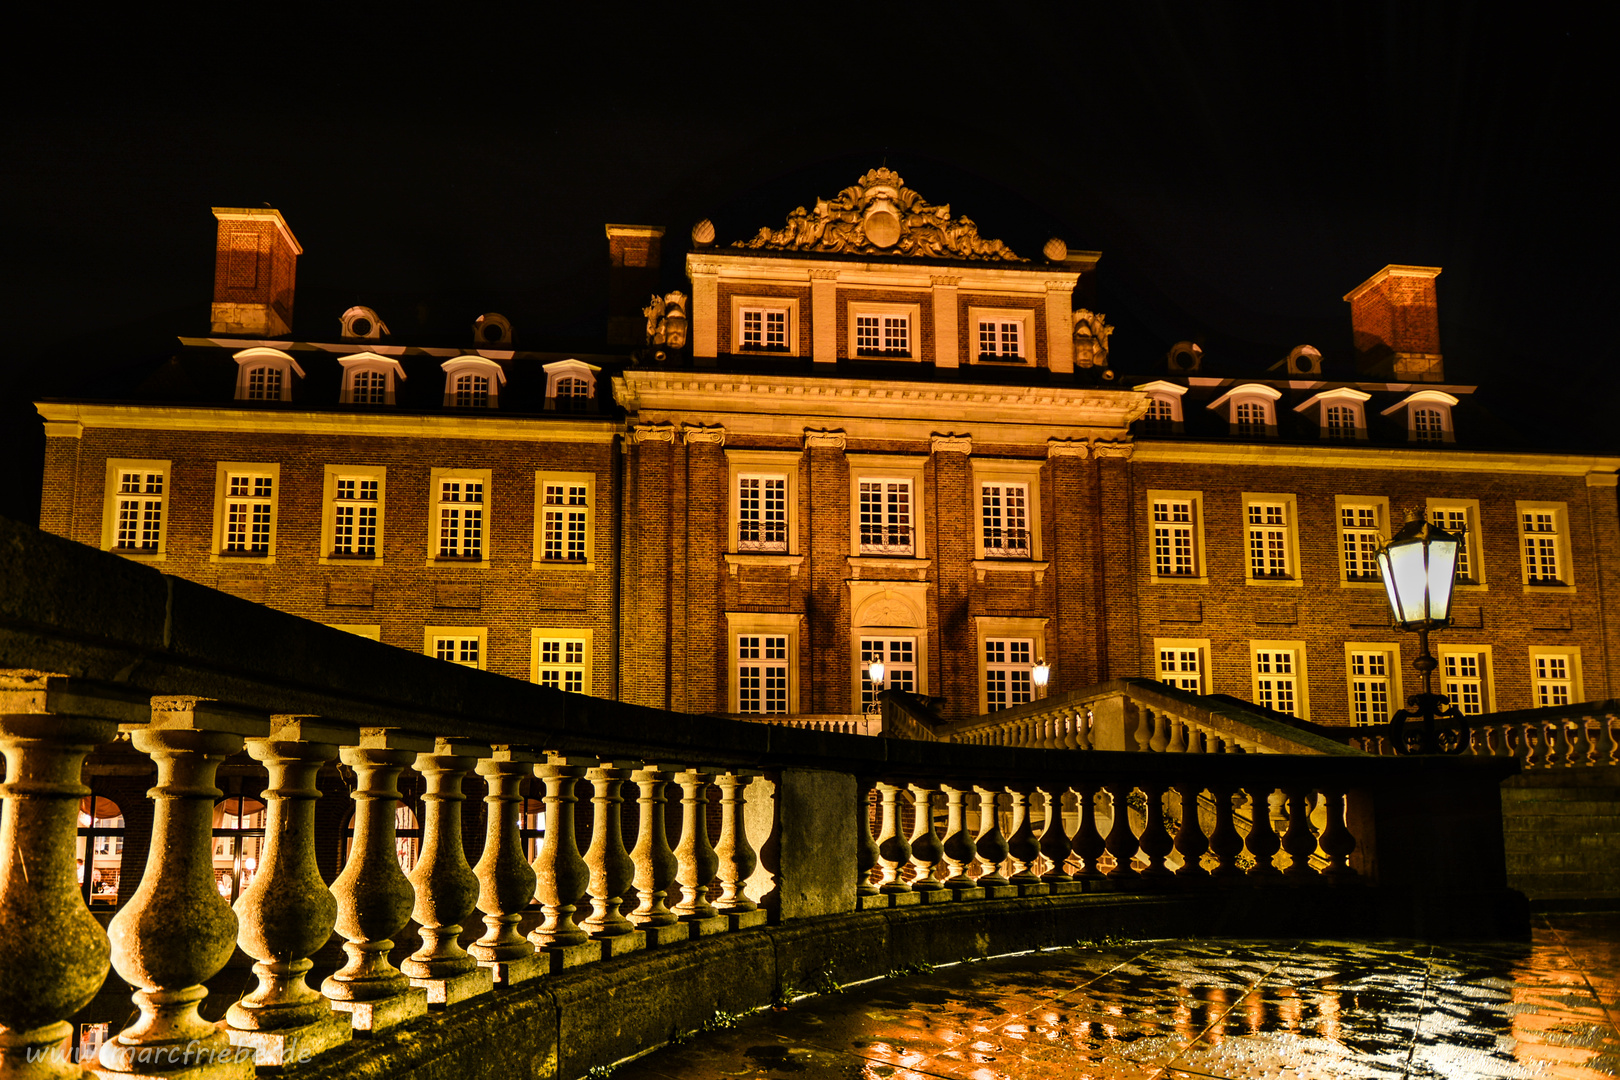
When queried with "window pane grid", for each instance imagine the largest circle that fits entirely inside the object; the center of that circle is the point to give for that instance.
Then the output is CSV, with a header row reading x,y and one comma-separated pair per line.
x,y
564,523
1251,418
369,388
1173,539
1180,668
762,675
1000,338
885,517
1005,520
1369,688
562,664
882,335
761,513
1465,684
1361,539
1341,422
899,657
1455,521
1008,663
1426,425
472,391
1268,540
354,517
1553,683
139,526
1540,546
264,384
1276,684
461,519
248,510
457,650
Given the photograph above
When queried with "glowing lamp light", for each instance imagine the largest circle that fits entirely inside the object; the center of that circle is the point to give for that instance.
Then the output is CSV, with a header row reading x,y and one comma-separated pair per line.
x,y
1041,673
1419,566
875,670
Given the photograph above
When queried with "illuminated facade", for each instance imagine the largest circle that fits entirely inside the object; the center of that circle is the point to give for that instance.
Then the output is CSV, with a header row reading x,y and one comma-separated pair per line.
x,y
869,434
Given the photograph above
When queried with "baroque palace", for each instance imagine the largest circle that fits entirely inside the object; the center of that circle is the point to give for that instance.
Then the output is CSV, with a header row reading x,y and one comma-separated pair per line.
x,y
869,434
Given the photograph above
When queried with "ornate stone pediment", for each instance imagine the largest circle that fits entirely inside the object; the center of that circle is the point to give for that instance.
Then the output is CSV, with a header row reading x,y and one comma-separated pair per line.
x,y
881,216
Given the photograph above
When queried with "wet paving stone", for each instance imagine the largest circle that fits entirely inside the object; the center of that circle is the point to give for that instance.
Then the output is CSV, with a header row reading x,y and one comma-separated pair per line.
x,y
1193,1010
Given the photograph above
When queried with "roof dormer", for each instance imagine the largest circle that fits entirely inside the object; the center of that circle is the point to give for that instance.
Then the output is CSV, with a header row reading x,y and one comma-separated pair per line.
x,y
472,382
265,374
491,329
1250,410
1339,414
369,379
363,324
570,385
1163,416
1428,416
1301,360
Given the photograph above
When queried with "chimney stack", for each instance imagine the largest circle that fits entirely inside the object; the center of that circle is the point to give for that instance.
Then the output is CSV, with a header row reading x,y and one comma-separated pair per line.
x,y
255,263
1396,322
634,255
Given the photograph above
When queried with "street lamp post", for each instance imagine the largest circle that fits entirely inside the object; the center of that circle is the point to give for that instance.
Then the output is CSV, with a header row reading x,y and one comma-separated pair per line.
x,y
874,709
1040,674
1419,566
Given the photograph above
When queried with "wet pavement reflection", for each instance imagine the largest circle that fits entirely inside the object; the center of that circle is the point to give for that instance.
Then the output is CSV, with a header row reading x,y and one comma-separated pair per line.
x,y
1289,1010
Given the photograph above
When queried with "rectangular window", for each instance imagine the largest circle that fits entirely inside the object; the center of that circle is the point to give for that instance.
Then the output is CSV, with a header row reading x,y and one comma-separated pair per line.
x,y
1369,688
1458,520
1182,668
1000,339
466,651
264,384
565,515
899,658
762,673
248,513
1004,515
138,525
883,330
762,513
1276,681
1360,537
1174,549
1464,678
1555,676
1541,544
1008,663
1268,540
561,664
765,329
355,505
885,517
461,519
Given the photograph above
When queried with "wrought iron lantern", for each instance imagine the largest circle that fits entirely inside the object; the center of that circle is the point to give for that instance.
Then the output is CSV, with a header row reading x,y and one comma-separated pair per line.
x,y
1040,675
874,710
1419,567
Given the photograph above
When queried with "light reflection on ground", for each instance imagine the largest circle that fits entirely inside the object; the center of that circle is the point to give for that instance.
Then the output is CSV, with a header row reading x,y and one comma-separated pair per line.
x,y
1163,1010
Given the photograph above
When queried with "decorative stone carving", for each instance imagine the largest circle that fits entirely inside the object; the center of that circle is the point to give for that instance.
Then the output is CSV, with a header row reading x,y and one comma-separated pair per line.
x,y
667,322
653,433
1109,448
704,433
826,439
1091,333
1055,250
879,214
703,233
1067,448
962,444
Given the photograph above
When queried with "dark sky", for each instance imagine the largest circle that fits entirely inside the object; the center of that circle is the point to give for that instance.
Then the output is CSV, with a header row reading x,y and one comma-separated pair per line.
x,y
1240,166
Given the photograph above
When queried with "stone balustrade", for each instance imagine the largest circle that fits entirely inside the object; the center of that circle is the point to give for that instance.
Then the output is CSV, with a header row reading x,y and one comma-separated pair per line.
x,y
1559,737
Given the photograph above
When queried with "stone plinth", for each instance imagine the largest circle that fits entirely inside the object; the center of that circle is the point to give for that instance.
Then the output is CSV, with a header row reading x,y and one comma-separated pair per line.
x,y
454,988
294,1045
376,1017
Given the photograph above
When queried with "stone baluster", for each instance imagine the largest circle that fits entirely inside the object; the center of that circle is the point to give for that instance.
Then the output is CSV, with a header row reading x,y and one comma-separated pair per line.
x,y
1088,841
287,913
866,849
696,861
1082,730
1562,755
1178,736
1068,737
1225,842
374,899
1529,745
561,876
1054,842
1159,741
1297,839
957,848
506,881
926,849
611,870
1191,843
1155,841
737,857
655,862
894,851
1263,842
1121,842
187,739
1336,840
1580,747
446,890
1196,737
1022,847
991,844
53,953
1605,743
1050,739
1143,718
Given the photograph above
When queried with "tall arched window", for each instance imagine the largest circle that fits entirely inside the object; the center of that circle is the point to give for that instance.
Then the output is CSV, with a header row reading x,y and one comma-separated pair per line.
x,y
238,843
100,849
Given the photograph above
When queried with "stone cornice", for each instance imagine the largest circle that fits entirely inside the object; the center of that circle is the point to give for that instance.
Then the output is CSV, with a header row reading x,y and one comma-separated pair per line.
x,y
1373,457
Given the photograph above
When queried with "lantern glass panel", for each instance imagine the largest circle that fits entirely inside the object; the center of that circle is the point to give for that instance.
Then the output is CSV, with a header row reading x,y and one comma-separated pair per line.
x,y
1442,573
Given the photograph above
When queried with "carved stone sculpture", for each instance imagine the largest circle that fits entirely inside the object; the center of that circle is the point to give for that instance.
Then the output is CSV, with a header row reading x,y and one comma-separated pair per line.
x,y
880,214
1091,332
667,322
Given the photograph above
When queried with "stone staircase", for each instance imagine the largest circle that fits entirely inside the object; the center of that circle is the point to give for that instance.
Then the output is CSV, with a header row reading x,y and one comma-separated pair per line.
x,y
1562,836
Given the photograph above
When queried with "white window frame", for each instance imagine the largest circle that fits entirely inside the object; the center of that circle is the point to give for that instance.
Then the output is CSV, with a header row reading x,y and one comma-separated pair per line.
x,y
147,467
875,468
438,477
1389,655
1445,677
1259,680
988,628
1290,504
1378,531
262,356
1023,318
1438,400
432,634
1265,397
762,624
329,505
1469,509
1167,393
912,313
1558,515
774,464
1343,397
888,610
1544,681
1002,472
788,306
543,511
1200,572
561,638
473,365
558,370
902,664
224,471
359,363
1171,657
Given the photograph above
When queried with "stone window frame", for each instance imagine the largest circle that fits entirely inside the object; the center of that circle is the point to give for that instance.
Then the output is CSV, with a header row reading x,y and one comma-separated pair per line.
x,y
1564,584
1393,676
486,541
1572,660
572,368
1199,645
1025,317
869,467
541,634
1294,578
1169,393
1476,581
1245,393
757,623
262,356
988,628
1301,675
873,607
334,473
542,477
772,463
1438,400
431,633
1343,397
1487,671
223,470
1380,506
355,363
1201,576
109,508
457,366
1026,471
788,304
880,308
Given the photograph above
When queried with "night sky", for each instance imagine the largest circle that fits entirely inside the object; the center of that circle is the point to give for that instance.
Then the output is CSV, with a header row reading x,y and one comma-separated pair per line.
x,y
1239,168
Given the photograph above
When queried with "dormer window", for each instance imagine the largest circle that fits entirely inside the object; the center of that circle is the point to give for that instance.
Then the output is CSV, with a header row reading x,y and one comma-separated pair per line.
x,y
1341,413
363,324
472,382
570,385
1428,416
265,374
369,379
1163,416
1250,410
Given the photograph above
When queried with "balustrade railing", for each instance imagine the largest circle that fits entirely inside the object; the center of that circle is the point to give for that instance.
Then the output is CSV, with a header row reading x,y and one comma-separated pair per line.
x,y
692,826
1558,737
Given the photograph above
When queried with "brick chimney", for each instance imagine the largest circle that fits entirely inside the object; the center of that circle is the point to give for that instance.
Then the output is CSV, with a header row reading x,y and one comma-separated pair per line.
x,y
634,254
255,263
1396,322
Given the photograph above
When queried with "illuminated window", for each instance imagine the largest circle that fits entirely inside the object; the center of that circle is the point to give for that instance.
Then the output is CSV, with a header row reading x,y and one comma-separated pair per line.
x,y
1268,540
899,658
1341,422
1360,537
1160,417
473,382
461,518
355,509
1249,409
1182,667
1008,667
472,392
265,374
1369,687
764,329
762,673
1427,425
570,386
1428,415
561,664
762,513
565,522
407,837
1276,681
1001,339
885,517
1004,517
263,383
1459,521
369,388
884,330
248,514
1553,679
1175,551
238,843
1250,417
100,850
464,649
138,525
1464,680
1540,529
